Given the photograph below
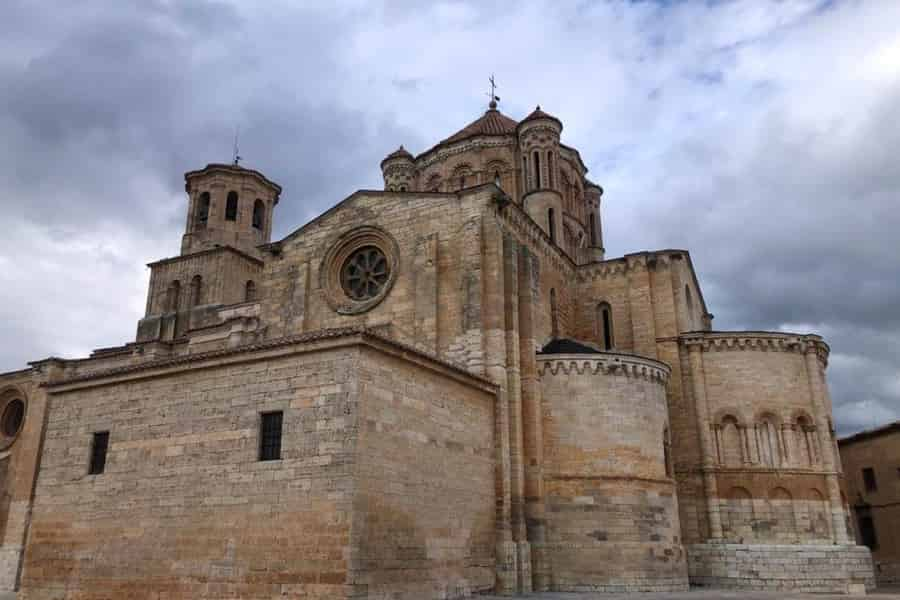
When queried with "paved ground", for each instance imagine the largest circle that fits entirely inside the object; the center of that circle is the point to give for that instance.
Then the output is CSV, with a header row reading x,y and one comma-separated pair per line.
x,y
881,594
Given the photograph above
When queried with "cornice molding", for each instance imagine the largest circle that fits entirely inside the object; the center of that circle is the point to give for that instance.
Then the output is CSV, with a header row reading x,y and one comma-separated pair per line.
x,y
761,341
605,363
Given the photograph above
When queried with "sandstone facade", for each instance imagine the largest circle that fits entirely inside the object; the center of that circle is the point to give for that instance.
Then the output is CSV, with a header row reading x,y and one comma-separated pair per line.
x,y
429,391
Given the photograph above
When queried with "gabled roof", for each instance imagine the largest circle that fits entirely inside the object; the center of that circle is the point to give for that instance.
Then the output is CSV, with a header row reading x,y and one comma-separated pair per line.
x,y
492,122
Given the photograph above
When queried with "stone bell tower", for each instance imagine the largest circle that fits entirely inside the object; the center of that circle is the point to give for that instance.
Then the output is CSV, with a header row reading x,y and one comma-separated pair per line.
x,y
228,206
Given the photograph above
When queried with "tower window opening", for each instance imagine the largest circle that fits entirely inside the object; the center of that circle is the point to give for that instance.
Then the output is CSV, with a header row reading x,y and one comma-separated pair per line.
x,y
250,291
172,296
99,448
593,224
231,206
270,435
259,214
537,169
196,290
551,224
606,328
203,210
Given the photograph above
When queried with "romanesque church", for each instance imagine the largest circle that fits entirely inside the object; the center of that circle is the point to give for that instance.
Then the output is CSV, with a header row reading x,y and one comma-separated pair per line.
x,y
433,390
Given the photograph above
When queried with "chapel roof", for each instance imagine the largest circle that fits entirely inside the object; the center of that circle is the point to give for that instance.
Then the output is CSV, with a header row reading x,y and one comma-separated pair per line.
x,y
567,346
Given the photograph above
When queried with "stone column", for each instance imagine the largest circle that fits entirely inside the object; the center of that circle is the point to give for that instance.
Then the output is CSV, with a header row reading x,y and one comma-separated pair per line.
x,y
746,457
532,426
514,395
495,370
701,412
815,371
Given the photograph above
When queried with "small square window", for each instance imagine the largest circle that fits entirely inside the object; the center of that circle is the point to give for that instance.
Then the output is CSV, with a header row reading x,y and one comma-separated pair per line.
x,y
98,452
270,436
869,479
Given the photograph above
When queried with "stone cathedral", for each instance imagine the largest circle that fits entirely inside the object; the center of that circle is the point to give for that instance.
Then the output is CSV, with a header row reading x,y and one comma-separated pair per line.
x,y
438,389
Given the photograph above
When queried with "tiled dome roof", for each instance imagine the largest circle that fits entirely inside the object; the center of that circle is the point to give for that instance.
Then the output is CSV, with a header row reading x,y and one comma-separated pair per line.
x,y
400,152
537,113
492,122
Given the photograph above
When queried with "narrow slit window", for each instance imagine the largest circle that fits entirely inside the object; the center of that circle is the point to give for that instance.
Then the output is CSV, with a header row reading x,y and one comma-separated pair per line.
x,y
270,436
525,173
537,170
98,452
551,224
606,332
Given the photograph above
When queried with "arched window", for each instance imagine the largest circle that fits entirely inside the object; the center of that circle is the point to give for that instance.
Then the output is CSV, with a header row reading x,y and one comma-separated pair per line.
x,y
402,188
804,441
593,223
259,214
550,169
250,292
731,446
554,315
231,206
202,210
172,296
434,183
196,290
537,169
605,325
767,441
551,224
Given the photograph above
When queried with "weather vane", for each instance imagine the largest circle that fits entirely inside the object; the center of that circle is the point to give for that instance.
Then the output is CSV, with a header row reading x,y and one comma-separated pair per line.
x,y
236,158
493,96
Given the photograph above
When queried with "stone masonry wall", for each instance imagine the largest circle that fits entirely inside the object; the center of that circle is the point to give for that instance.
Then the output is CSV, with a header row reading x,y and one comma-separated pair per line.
x,y
423,523
184,508
770,567
612,513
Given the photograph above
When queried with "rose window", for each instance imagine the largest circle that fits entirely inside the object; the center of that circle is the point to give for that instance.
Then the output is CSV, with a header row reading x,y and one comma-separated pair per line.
x,y
365,273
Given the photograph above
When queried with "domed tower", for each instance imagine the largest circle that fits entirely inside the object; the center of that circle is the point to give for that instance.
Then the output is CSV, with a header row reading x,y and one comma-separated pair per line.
x,y
229,206
399,171
593,193
538,135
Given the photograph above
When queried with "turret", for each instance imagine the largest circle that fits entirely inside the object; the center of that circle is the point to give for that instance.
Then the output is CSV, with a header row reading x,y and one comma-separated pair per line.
x,y
398,170
538,135
228,206
593,193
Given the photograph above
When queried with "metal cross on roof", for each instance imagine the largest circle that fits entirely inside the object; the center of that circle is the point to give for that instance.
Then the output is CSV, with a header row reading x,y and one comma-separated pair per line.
x,y
494,98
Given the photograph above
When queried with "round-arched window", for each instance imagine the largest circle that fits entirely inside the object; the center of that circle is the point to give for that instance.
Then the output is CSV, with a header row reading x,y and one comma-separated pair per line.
x,y
12,418
365,273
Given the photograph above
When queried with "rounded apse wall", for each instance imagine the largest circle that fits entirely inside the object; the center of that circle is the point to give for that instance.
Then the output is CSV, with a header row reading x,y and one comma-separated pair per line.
x,y
611,507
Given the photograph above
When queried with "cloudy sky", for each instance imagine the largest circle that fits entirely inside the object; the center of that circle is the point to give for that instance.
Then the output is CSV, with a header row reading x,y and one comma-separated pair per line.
x,y
763,137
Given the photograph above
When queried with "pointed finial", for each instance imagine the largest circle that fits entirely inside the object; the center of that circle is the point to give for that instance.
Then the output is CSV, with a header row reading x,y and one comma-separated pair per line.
x,y
236,158
492,105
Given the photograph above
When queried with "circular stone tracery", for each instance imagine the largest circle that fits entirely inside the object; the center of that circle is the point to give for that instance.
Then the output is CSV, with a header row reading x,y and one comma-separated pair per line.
x,y
358,269
12,416
365,273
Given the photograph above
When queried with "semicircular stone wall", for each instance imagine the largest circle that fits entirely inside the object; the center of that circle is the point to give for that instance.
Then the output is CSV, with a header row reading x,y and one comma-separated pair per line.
x,y
612,512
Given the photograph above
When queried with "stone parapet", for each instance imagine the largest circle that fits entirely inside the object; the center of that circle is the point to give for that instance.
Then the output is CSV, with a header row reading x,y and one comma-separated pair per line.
x,y
797,568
